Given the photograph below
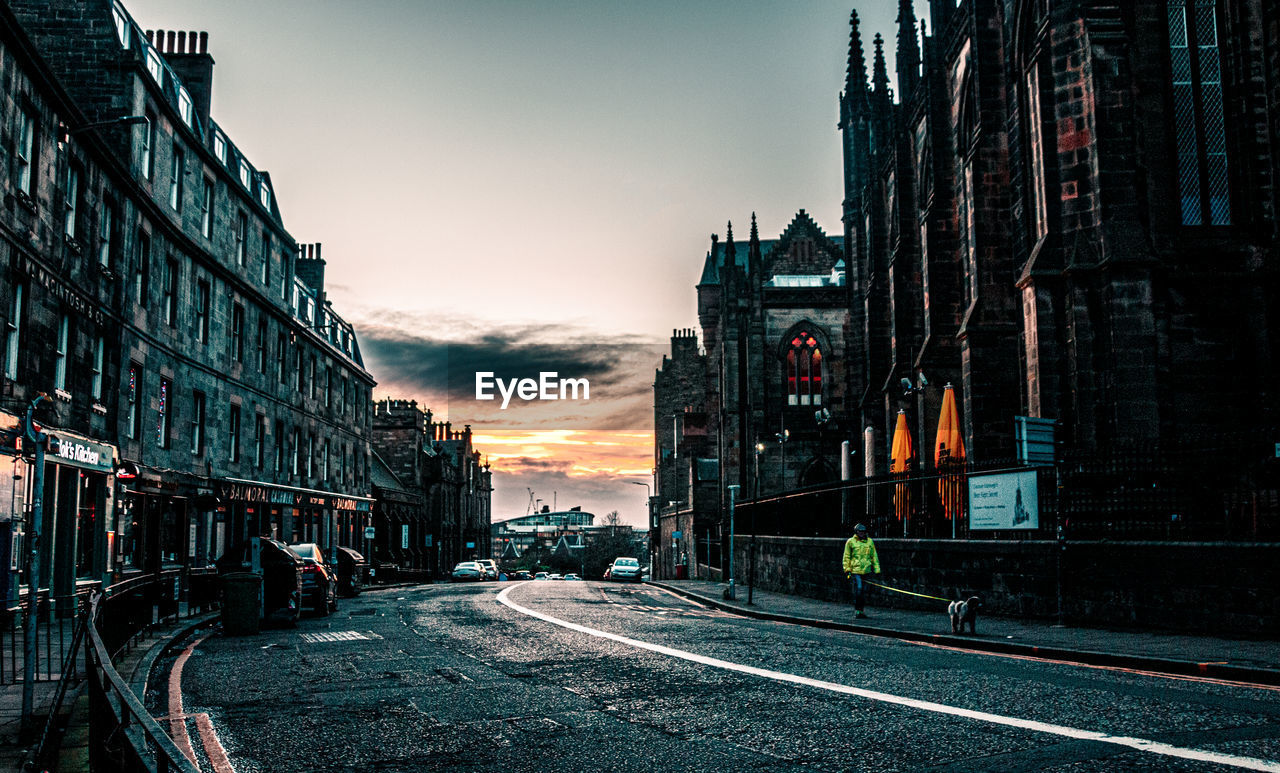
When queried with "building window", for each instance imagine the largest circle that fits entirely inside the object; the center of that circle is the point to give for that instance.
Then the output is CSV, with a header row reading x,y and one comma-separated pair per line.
x,y
149,147
259,440
185,107
220,146
311,455
237,332
99,361
328,386
206,209
1035,155
266,258
298,379
970,235
282,357
105,226
324,462
311,376
171,292
154,66
244,173
804,370
197,423
202,311
286,270
135,404
60,361
1198,108
279,446
13,334
242,237
262,346
71,200
163,424
26,150
176,173
233,434
296,447
142,268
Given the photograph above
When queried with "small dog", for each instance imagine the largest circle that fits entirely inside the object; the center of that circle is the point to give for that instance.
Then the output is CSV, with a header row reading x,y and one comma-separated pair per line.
x,y
964,612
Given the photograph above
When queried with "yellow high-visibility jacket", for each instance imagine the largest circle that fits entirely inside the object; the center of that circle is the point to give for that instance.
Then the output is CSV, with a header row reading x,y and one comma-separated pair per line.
x,y
860,557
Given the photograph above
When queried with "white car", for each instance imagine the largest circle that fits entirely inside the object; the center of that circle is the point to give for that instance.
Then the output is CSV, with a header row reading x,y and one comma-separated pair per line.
x,y
542,576
625,568
490,568
467,571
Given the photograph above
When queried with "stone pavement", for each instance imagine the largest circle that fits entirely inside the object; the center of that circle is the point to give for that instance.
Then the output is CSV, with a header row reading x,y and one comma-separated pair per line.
x,y
1203,655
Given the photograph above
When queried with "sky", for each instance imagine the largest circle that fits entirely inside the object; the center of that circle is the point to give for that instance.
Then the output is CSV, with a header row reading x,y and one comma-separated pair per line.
x,y
510,185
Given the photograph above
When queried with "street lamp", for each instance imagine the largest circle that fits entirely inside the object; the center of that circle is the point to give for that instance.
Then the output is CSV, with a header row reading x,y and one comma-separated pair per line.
x,y
731,593
648,495
40,439
755,505
782,438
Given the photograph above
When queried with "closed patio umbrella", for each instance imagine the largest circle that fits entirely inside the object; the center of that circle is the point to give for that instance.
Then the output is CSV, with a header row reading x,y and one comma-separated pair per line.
x,y
900,465
948,457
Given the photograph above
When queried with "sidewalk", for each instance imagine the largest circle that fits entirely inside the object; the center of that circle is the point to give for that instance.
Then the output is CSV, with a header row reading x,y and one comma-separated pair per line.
x,y
1240,660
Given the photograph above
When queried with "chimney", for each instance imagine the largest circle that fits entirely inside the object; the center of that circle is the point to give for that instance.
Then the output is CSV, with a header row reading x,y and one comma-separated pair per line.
x,y
310,269
188,54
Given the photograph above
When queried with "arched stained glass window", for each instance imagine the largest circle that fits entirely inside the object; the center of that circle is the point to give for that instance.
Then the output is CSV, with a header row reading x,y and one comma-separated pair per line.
x,y
804,370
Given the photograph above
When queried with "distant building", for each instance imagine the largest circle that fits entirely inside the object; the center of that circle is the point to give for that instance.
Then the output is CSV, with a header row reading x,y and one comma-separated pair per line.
x,y
433,494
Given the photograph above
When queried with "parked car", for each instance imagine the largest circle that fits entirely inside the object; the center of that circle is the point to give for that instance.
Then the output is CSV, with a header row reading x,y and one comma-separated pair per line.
x,y
352,572
572,576
555,576
519,574
281,571
467,571
542,576
625,568
490,568
319,578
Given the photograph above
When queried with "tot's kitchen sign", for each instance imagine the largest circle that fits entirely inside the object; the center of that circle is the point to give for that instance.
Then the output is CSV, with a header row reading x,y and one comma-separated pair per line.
x,y
82,453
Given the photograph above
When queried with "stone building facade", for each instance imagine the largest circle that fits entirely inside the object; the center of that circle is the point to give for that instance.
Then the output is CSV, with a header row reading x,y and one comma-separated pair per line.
x,y
193,330
1067,210
433,500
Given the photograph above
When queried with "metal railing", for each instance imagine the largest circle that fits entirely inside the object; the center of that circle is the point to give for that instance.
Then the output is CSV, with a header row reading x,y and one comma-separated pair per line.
x,y
122,734
57,618
1136,493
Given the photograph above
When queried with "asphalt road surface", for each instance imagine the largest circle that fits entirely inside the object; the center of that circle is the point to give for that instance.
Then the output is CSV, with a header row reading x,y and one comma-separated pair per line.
x,y
583,676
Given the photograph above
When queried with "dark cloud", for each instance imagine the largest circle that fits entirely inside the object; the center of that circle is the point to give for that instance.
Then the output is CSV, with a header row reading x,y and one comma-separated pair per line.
x,y
413,357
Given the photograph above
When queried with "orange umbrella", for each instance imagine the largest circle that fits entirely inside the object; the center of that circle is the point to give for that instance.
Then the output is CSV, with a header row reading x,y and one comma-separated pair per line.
x,y
948,455
902,452
949,443
900,466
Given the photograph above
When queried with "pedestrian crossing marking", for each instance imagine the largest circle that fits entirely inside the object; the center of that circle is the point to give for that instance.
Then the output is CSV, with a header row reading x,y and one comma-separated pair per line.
x,y
328,636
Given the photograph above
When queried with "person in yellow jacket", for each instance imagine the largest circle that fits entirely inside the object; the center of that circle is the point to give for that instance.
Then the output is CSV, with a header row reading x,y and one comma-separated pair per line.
x,y
860,559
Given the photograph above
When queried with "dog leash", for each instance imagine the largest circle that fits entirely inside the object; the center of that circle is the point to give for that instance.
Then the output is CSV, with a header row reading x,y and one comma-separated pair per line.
x,y
908,592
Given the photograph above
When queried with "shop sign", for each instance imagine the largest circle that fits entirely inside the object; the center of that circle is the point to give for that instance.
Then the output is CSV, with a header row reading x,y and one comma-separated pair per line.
x,y
404,536
83,453
369,532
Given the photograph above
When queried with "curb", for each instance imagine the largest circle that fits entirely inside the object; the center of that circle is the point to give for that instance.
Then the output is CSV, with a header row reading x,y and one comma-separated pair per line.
x,y
148,661
1247,674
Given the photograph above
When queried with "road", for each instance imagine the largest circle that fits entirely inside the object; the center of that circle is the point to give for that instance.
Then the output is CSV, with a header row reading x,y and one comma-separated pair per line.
x,y
582,676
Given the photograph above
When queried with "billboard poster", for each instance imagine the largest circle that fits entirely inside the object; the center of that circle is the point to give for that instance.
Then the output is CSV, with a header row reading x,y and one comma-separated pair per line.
x,y
1006,500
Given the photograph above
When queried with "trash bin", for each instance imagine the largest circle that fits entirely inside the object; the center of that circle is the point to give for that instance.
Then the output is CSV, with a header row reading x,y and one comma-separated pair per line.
x,y
682,572
241,603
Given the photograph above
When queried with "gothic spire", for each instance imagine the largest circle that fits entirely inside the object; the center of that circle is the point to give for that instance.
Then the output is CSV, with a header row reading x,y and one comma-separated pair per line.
x,y
908,50
754,260
880,73
855,78
730,251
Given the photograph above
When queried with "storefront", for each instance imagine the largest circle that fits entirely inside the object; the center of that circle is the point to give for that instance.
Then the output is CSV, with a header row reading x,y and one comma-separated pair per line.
x,y
153,525
251,508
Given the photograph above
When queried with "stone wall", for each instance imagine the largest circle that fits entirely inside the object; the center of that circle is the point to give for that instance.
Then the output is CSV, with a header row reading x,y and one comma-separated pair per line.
x,y
1226,588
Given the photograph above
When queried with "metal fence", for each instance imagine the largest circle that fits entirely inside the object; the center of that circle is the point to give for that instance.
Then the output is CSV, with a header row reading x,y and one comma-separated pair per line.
x,y
56,621
1228,489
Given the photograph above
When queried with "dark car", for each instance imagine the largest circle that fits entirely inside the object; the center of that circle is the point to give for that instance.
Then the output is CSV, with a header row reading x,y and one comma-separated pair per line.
x,y
319,578
281,571
353,569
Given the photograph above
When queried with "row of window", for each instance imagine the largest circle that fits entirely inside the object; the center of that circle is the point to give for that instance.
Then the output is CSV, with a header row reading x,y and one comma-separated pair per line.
x,y
310,458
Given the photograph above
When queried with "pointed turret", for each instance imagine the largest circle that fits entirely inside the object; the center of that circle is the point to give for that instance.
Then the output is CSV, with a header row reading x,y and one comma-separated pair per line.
x,y
880,72
754,259
908,51
730,275
855,78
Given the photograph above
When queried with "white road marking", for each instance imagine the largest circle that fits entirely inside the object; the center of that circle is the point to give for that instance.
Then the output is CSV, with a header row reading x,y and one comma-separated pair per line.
x,y
1140,744
328,636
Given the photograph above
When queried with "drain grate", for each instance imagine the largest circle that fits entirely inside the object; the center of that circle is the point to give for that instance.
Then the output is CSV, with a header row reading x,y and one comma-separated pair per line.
x,y
328,636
